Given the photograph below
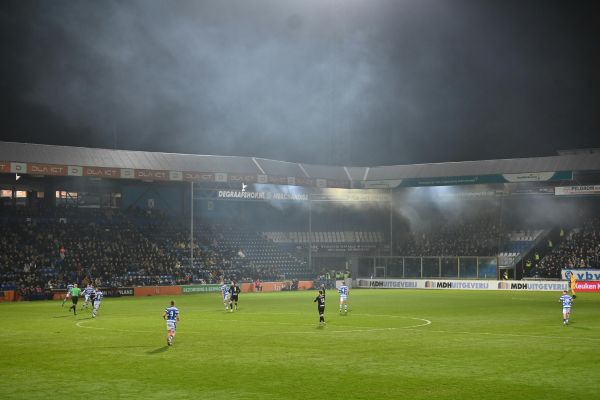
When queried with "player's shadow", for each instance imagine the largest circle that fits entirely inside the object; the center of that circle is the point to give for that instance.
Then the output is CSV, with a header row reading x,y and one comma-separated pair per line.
x,y
159,350
62,316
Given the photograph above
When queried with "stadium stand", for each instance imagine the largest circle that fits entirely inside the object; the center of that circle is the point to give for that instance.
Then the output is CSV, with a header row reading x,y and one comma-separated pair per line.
x,y
520,243
325,237
477,236
264,255
338,241
50,249
42,249
72,245
580,249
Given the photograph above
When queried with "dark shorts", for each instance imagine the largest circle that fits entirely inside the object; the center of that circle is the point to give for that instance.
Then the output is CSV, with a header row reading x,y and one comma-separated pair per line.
x,y
234,297
74,299
321,310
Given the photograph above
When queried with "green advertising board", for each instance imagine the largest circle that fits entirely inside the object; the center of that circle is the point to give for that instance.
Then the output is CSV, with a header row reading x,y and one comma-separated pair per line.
x,y
200,288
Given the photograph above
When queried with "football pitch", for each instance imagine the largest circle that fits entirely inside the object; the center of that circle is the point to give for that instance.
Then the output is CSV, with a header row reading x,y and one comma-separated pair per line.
x,y
405,344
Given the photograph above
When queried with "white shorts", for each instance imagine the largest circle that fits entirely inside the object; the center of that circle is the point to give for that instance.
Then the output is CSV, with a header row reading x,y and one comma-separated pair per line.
x,y
87,298
226,297
96,305
566,310
171,325
343,298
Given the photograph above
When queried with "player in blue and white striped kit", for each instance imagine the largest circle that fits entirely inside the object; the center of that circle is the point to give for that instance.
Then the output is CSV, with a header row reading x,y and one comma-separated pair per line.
x,y
225,292
69,288
97,300
171,315
566,301
87,293
344,291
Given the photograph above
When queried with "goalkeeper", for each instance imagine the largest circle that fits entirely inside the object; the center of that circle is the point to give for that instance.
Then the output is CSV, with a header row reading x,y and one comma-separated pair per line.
x,y
572,284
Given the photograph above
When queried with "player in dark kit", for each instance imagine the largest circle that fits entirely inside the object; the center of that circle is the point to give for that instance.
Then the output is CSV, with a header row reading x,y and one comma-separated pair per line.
x,y
320,300
234,291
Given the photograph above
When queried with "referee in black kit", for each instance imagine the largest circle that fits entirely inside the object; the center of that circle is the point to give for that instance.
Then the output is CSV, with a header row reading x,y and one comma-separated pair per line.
x,y
320,300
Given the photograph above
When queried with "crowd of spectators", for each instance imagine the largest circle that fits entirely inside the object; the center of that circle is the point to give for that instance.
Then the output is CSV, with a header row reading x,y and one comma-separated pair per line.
x,y
580,249
45,249
104,244
142,247
41,250
481,236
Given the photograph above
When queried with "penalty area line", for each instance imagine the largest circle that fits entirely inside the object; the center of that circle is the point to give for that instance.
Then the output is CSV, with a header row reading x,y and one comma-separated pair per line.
x,y
410,327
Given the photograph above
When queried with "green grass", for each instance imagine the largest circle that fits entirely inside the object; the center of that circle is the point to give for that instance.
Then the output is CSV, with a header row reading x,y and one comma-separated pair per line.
x,y
479,345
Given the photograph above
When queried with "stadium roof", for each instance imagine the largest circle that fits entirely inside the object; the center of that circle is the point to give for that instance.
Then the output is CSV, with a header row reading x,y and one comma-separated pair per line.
x,y
39,159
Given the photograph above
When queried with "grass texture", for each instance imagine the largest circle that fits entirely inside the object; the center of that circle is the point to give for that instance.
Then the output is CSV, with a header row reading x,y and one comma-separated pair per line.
x,y
392,344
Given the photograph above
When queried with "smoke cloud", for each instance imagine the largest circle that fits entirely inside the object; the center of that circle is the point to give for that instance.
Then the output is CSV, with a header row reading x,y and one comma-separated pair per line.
x,y
344,82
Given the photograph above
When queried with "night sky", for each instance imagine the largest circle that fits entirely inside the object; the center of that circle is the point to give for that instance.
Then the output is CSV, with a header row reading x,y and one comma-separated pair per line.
x,y
344,82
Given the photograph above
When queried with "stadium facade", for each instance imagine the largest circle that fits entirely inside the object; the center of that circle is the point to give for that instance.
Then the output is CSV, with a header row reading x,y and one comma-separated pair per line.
x,y
328,217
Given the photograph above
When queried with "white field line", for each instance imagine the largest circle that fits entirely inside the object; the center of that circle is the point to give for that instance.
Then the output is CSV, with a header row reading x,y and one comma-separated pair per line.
x,y
415,328
357,328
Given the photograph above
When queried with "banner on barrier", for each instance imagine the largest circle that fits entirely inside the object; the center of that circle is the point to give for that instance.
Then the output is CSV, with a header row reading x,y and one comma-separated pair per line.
x,y
200,288
117,291
540,286
7,295
581,274
587,286
461,284
107,291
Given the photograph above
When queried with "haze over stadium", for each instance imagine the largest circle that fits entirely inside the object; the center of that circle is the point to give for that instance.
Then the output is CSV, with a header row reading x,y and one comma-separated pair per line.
x,y
336,82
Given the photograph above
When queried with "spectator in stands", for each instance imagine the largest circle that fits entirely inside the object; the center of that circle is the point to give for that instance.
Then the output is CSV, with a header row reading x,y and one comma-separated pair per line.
x,y
581,249
480,236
